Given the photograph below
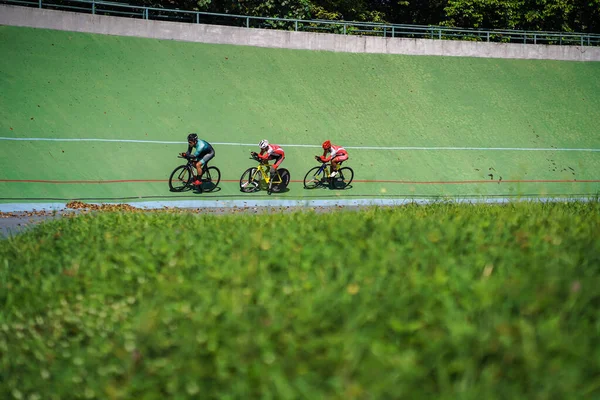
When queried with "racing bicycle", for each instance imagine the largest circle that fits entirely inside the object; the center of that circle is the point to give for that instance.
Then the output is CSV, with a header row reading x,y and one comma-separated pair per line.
x,y
319,177
181,178
257,178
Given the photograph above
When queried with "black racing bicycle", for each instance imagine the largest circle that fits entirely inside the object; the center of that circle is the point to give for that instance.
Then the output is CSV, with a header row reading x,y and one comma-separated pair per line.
x,y
320,177
181,178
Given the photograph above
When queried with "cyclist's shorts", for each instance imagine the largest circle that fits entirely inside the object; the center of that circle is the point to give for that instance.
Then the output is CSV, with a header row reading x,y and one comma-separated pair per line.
x,y
278,159
207,156
340,158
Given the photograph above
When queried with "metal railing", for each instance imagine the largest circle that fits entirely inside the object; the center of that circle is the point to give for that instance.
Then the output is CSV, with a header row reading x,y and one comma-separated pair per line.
x,y
323,26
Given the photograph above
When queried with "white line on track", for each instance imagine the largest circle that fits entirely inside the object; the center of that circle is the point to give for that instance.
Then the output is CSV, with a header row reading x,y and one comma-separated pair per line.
x,y
436,148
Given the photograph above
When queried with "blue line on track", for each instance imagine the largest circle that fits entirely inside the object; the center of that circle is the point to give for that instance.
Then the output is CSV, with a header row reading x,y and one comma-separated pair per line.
x,y
153,205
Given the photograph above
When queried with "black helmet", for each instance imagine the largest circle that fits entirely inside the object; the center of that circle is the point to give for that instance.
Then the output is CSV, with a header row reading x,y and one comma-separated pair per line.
x,y
192,137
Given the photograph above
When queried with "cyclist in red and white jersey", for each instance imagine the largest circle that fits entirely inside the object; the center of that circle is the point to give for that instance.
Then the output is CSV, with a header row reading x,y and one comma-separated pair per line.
x,y
271,152
337,154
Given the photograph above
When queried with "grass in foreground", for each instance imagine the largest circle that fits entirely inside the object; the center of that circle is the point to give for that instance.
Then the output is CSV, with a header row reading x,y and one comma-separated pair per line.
x,y
441,301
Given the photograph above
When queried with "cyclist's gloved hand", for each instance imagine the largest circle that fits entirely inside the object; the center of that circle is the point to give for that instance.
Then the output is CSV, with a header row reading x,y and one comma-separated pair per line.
x,y
322,158
182,154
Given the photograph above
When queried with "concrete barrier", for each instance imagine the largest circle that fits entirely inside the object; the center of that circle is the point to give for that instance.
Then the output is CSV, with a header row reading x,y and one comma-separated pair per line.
x,y
78,22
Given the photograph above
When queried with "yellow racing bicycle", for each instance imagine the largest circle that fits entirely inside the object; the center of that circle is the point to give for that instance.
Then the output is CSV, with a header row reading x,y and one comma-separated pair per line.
x,y
257,178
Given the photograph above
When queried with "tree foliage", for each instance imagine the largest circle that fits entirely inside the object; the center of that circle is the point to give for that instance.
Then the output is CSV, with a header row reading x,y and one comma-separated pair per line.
x,y
548,15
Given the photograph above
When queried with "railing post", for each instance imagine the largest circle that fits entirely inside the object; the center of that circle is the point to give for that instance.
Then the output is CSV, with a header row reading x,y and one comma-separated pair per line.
x,y
581,40
247,22
296,25
535,38
440,34
40,3
393,33
488,36
344,28
197,17
93,7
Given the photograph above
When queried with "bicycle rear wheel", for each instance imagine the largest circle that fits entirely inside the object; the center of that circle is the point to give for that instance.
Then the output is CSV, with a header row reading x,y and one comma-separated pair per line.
x,y
314,178
343,178
285,180
180,178
211,179
248,181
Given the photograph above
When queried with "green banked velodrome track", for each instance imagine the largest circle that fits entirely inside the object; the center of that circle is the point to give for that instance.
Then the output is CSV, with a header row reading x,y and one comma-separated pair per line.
x,y
415,126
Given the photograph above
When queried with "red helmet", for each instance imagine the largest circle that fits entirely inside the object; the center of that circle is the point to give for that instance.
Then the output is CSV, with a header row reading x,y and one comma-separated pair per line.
x,y
326,145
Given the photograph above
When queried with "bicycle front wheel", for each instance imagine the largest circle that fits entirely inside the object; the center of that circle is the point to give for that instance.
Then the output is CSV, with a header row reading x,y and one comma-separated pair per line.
x,y
314,178
180,178
343,179
211,179
248,181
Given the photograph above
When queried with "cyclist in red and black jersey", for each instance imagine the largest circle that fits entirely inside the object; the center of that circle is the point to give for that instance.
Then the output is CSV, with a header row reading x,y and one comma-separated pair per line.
x,y
271,152
337,154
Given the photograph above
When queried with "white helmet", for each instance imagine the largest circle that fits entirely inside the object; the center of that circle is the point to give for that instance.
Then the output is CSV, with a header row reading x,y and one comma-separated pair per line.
x,y
263,144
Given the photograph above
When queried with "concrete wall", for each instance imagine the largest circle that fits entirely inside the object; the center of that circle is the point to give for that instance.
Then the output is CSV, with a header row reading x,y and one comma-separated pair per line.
x,y
69,21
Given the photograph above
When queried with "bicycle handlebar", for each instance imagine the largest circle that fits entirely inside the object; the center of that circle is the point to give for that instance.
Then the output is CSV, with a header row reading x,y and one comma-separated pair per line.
x,y
254,156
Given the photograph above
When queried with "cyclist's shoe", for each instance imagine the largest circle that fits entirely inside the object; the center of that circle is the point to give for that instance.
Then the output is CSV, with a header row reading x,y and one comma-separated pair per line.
x,y
197,182
333,174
